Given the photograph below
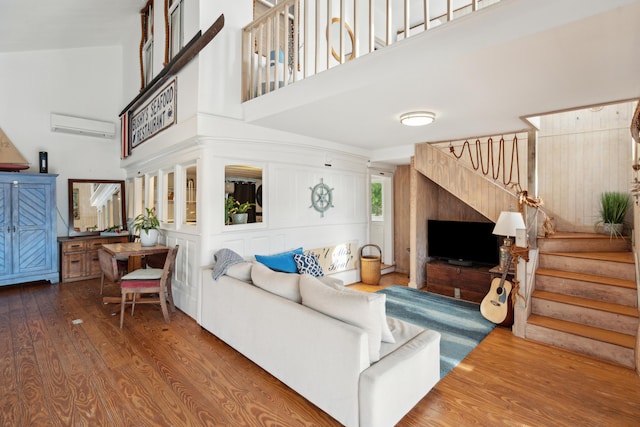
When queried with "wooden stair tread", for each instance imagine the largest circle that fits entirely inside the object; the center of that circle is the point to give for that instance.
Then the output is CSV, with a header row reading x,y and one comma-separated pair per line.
x,y
617,338
611,281
624,257
587,303
570,235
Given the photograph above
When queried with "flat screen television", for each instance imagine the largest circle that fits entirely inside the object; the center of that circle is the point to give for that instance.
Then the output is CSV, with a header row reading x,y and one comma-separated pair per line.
x,y
463,242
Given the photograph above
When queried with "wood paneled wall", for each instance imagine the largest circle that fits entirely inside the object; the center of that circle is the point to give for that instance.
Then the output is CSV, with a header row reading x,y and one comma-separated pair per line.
x,y
479,193
416,199
581,154
423,206
402,218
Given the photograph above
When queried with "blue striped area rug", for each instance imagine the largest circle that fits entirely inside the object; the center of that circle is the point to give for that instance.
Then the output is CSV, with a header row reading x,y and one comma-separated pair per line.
x,y
459,322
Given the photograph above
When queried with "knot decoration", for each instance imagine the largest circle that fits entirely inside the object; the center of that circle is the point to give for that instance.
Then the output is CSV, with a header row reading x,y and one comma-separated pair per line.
x,y
522,252
535,202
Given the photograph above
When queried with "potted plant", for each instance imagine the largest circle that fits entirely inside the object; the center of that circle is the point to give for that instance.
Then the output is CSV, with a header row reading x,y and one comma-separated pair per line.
x,y
147,224
238,211
229,203
613,208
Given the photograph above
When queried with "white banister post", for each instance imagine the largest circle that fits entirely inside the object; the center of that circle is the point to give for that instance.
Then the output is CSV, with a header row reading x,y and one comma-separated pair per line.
x,y
342,25
356,38
328,34
427,24
407,24
372,41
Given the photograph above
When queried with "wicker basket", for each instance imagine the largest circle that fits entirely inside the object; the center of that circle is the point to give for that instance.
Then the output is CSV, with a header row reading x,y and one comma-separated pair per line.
x,y
370,266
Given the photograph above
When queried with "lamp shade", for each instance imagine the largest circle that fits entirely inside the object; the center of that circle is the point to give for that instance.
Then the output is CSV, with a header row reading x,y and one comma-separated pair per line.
x,y
508,223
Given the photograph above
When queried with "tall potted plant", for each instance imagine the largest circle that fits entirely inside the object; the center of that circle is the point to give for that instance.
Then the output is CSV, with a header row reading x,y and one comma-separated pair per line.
x,y
146,225
613,208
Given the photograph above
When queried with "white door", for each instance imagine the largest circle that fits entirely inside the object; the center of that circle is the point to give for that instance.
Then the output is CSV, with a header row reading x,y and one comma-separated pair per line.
x,y
381,220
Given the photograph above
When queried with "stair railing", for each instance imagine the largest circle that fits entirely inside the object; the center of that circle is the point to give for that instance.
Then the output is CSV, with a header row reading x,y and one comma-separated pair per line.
x,y
296,39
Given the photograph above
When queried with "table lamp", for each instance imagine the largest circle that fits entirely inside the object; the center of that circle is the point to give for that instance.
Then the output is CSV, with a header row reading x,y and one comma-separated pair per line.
x,y
507,224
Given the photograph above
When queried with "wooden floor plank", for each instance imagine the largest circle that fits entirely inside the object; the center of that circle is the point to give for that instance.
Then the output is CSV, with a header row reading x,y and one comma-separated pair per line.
x,y
87,408
31,395
151,373
10,408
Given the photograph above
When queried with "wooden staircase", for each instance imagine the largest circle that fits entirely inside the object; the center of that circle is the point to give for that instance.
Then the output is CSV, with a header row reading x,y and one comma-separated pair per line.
x,y
585,296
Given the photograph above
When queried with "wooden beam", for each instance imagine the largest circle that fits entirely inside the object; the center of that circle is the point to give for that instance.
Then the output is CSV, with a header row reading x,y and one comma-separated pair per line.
x,y
191,49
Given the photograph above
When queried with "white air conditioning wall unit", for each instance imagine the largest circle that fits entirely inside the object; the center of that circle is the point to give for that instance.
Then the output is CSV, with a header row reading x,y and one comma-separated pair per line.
x,y
82,126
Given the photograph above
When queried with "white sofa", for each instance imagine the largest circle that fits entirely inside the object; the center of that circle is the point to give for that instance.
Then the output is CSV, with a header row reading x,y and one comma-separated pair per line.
x,y
324,359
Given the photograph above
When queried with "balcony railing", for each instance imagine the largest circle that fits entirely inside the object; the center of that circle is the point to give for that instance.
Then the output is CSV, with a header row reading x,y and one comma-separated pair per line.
x,y
296,39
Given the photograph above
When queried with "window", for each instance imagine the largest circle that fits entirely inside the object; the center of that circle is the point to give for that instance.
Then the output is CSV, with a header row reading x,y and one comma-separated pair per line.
x,y
191,180
243,185
376,201
174,27
152,203
146,43
168,208
130,191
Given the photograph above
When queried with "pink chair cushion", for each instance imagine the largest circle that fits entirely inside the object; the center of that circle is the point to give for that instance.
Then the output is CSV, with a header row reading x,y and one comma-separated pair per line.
x,y
144,274
140,283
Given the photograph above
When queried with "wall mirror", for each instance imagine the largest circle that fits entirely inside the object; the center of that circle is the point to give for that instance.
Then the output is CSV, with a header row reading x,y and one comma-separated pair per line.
x,y
96,205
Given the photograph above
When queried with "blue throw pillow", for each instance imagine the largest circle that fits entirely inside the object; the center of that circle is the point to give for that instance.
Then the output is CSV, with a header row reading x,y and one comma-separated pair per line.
x,y
283,262
308,264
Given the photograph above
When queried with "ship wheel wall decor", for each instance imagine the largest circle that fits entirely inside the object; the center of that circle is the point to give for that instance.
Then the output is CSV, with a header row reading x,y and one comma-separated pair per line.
x,y
321,197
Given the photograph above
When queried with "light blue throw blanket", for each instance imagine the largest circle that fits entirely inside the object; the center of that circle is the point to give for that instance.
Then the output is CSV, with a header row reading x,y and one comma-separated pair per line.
x,y
224,259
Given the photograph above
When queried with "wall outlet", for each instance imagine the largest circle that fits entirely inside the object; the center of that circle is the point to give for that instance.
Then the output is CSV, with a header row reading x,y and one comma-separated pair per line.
x,y
456,293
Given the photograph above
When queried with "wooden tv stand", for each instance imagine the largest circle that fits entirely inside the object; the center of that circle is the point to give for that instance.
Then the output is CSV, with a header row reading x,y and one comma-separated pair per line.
x,y
473,283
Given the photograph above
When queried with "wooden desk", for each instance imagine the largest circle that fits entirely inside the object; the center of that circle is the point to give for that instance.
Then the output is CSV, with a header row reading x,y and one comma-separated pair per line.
x,y
135,251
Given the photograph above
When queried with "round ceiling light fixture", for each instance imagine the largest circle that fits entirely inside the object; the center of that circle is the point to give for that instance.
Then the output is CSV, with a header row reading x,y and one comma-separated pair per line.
x,y
417,118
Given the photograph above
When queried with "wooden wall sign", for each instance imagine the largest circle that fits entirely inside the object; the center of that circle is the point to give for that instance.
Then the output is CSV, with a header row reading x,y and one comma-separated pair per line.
x,y
132,110
156,115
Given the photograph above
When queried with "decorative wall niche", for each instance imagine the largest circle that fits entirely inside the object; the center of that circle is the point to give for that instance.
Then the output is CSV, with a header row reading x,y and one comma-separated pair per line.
x,y
244,184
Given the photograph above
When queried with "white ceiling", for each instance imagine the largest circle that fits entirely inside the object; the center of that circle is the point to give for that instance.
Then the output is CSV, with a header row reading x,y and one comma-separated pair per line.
x,y
481,74
62,24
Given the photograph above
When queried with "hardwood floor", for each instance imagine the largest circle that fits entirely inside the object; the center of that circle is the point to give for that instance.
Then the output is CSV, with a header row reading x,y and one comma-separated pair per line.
x,y
64,361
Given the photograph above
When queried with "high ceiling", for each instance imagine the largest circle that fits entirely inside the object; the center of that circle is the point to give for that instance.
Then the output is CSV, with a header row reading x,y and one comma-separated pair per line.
x,y
480,74
62,24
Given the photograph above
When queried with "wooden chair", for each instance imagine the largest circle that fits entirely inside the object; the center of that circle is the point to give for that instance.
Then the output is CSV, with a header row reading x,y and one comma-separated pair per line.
x,y
109,267
150,281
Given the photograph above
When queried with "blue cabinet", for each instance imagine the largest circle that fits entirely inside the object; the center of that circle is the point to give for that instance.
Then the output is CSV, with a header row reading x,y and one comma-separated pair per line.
x,y
28,245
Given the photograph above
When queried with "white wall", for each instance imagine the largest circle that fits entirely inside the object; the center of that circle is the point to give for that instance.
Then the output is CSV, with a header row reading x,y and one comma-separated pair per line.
x,y
81,82
210,133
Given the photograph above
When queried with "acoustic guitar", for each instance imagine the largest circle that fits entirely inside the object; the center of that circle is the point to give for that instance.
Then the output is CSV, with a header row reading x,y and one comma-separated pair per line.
x,y
495,305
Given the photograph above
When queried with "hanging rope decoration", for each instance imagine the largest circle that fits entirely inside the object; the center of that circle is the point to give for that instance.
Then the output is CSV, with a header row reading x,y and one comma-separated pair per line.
x,y
479,161
635,126
142,39
146,18
166,32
